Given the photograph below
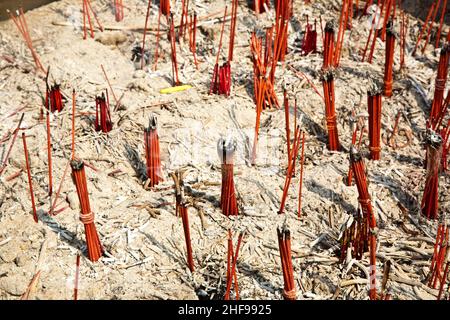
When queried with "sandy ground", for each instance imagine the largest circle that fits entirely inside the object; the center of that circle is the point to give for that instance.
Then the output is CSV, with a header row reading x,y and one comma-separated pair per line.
x,y
144,241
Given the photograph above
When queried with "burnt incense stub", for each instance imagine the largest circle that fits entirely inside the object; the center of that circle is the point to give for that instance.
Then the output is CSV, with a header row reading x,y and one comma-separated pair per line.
x,y
77,165
433,139
330,26
355,155
226,149
152,123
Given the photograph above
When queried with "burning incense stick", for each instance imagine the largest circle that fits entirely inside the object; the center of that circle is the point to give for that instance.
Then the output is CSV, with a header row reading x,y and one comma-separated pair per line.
x,y
389,60
30,180
226,150
358,167
284,244
374,109
94,247
152,152
430,204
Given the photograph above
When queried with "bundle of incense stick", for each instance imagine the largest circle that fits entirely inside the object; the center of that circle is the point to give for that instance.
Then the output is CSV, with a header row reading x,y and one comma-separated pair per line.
x,y
328,46
259,6
343,23
234,7
264,87
445,134
152,153
439,89
184,19
102,113
389,61
283,12
327,78
55,99
30,180
430,204
193,37
382,31
355,236
173,48
374,109
309,43
182,210
226,150
440,256
291,167
94,247
118,10
232,256
284,244
165,7
22,26
86,8
359,173
354,134
215,81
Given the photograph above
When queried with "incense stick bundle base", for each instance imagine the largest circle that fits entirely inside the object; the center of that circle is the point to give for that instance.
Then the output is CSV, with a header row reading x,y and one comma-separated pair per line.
x,y
355,237
374,108
152,153
441,81
358,168
55,97
228,202
94,247
430,204
389,60
284,244
330,110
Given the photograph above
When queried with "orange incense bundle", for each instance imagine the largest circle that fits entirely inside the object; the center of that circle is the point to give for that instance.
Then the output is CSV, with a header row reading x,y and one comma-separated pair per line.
x,y
430,204
389,60
284,244
184,19
94,247
234,8
152,153
374,108
173,47
193,37
327,78
103,114
231,265
215,81
283,12
355,237
328,45
55,97
438,270
439,89
226,150
343,23
309,43
359,173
